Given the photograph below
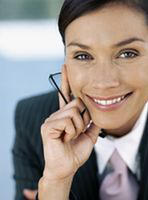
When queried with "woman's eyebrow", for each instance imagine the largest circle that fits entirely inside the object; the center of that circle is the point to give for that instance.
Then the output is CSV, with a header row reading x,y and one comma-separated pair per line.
x,y
128,41
119,44
82,46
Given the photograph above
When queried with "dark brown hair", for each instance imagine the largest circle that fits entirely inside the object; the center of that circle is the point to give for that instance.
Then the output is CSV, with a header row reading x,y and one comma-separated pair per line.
x,y
72,9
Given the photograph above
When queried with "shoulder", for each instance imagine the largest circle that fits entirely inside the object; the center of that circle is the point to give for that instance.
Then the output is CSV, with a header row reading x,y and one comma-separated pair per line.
x,y
37,101
36,108
27,149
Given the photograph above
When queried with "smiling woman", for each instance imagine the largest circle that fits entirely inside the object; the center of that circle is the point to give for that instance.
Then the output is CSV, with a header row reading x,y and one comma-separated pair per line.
x,y
105,70
102,65
106,59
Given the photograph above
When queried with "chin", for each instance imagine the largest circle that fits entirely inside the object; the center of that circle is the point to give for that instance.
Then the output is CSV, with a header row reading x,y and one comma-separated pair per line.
x,y
115,133
113,128
106,123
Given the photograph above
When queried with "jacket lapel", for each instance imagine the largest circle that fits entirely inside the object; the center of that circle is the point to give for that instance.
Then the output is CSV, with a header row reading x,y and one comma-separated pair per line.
x,y
143,153
86,181
85,184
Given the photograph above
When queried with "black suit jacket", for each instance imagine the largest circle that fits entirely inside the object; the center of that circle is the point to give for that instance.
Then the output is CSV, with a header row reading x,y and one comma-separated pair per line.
x,y
28,157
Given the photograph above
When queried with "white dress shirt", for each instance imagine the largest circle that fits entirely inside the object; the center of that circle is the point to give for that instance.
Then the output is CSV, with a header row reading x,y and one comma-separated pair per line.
x,y
127,146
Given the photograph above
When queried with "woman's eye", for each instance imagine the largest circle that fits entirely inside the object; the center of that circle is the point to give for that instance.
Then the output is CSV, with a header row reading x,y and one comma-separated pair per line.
x,y
83,57
128,54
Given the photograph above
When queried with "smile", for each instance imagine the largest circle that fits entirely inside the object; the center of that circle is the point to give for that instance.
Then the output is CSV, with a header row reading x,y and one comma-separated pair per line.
x,y
109,103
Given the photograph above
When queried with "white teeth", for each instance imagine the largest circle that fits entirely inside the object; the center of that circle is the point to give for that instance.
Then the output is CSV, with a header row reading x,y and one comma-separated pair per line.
x,y
119,99
104,102
109,102
114,100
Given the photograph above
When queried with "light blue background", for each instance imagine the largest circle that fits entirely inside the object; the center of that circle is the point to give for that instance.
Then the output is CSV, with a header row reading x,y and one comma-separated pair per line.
x,y
19,79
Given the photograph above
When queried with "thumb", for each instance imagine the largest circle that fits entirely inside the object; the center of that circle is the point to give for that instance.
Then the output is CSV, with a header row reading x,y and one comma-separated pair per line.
x,y
93,132
30,194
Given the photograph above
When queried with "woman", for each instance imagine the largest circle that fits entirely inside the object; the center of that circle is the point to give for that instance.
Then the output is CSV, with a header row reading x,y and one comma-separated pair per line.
x,y
106,67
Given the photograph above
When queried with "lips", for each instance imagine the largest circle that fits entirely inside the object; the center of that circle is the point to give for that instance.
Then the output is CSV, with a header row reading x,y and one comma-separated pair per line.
x,y
110,101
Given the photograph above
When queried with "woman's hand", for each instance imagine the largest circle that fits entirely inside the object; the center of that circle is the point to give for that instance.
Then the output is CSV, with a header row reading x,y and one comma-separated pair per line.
x,y
68,140
67,145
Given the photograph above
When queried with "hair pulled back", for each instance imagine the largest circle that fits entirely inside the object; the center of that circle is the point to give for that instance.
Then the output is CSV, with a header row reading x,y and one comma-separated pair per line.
x,y
72,9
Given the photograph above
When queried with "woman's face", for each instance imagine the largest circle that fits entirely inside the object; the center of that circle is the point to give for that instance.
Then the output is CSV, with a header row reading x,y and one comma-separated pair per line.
x,y
107,65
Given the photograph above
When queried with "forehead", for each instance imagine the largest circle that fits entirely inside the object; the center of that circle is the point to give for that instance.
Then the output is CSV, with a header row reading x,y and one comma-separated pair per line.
x,y
112,22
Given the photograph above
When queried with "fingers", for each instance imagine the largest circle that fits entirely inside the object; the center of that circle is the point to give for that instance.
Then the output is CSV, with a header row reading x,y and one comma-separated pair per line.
x,y
77,102
67,123
74,115
30,194
66,127
76,107
65,88
57,129
93,132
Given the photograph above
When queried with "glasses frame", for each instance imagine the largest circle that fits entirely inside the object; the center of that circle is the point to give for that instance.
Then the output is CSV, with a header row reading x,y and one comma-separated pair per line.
x,y
54,84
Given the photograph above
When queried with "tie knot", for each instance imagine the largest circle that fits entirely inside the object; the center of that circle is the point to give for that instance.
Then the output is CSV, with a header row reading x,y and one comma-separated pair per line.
x,y
119,184
117,162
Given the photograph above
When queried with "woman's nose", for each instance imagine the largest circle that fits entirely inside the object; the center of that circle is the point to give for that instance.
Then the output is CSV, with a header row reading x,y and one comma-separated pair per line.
x,y
106,76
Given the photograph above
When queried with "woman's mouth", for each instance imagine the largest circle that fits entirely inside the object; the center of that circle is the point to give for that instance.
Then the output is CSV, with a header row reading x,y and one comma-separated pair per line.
x,y
110,102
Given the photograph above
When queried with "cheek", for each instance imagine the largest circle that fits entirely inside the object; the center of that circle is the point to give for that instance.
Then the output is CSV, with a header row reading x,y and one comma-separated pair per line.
x,y
76,83
139,83
77,79
141,79
136,77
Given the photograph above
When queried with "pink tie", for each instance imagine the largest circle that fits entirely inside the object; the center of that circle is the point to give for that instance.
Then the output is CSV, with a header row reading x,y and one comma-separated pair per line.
x,y
119,184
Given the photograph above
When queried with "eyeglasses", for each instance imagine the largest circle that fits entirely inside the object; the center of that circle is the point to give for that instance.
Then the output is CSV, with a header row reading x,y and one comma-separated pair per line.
x,y
55,79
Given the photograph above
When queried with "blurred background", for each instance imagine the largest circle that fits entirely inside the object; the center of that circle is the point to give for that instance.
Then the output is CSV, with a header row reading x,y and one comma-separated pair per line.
x,y
30,49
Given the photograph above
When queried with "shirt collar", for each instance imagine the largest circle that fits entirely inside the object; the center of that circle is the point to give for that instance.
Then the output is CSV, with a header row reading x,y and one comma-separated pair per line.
x,y
127,146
